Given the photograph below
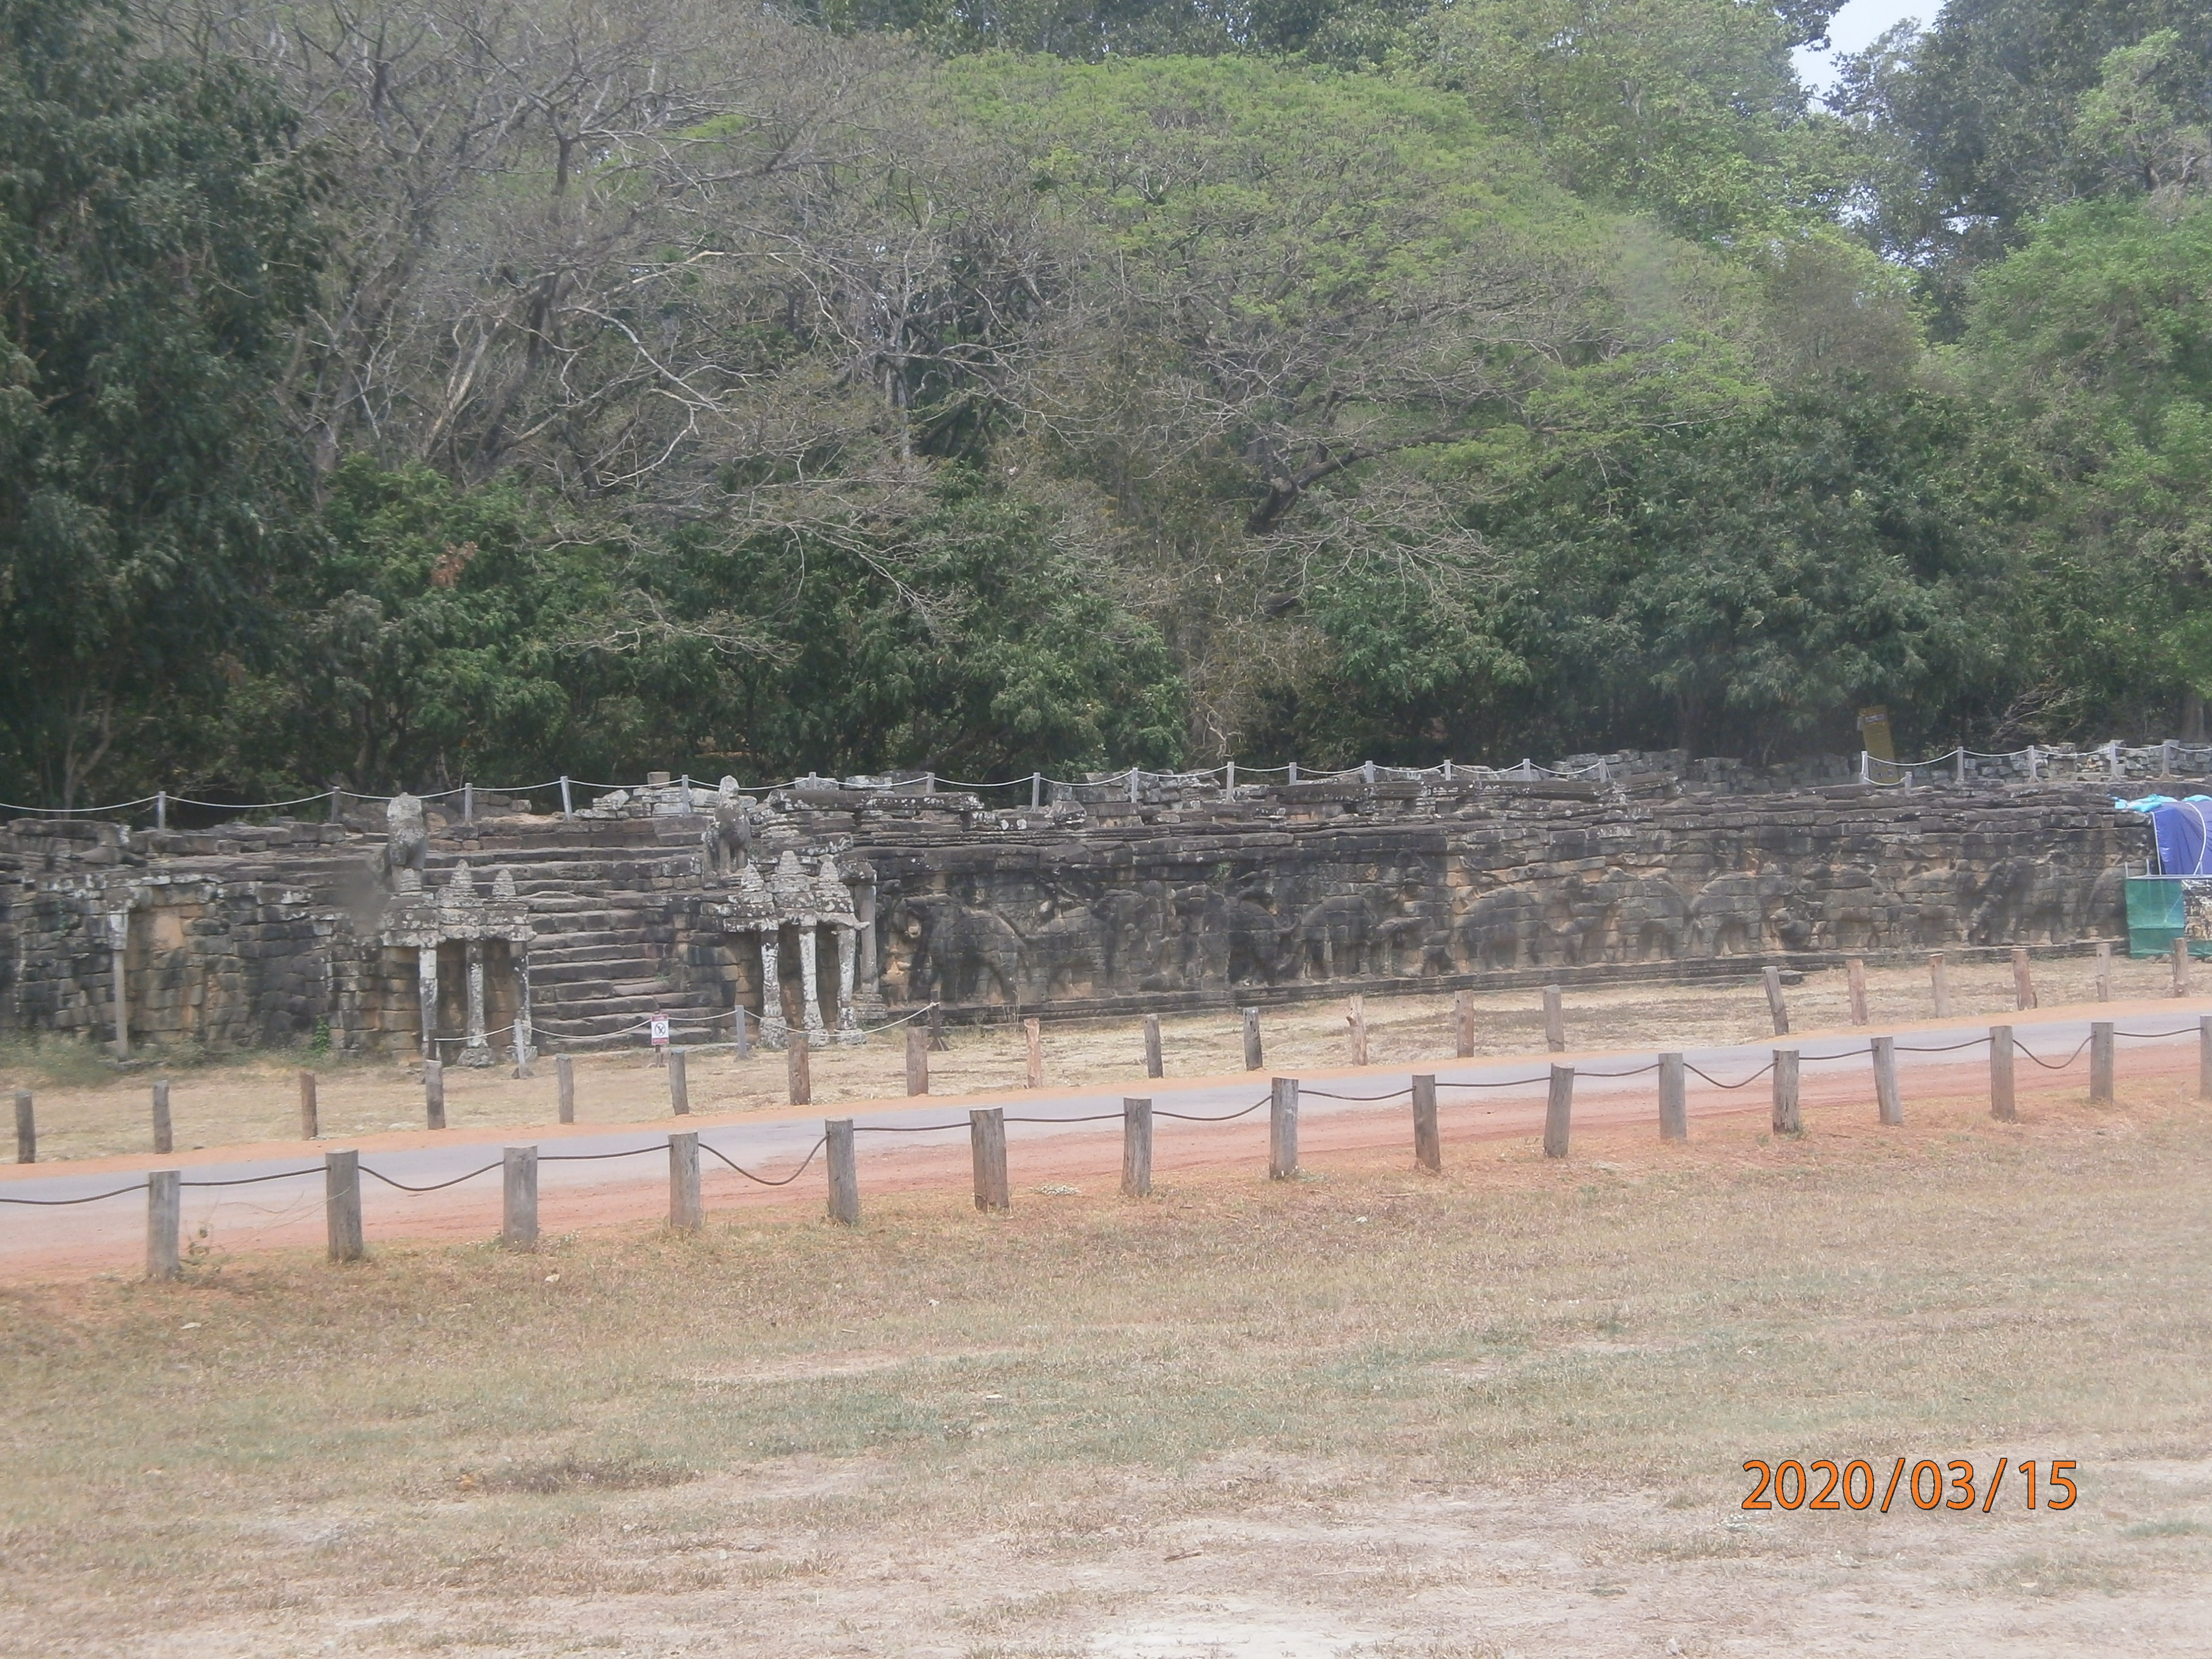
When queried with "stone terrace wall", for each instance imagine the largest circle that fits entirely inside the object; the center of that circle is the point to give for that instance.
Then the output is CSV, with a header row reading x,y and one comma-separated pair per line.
x,y
264,935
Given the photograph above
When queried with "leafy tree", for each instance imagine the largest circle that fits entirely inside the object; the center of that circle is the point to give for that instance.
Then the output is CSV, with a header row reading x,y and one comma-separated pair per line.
x,y
154,245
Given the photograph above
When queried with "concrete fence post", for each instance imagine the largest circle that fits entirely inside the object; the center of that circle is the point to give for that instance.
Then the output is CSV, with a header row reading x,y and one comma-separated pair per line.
x,y
686,1213
564,1078
2101,1062
1889,1105
165,1137
1559,1111
310,1127
1136,1148
1428,1141
518,1194
164,1222
434,1094
1283,1129
26,1128
799,1070
1674,1098
2001,1107
1787,1120
342,1204
844,1171
986,1147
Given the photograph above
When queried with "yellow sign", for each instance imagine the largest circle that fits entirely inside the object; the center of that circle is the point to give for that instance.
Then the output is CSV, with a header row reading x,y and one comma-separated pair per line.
x,y
1873,734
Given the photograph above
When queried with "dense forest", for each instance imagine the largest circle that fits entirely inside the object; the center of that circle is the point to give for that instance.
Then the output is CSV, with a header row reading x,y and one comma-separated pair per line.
x,y
401,391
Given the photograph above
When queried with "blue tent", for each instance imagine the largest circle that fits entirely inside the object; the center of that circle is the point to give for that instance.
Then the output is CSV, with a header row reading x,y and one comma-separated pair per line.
x,y
2183,831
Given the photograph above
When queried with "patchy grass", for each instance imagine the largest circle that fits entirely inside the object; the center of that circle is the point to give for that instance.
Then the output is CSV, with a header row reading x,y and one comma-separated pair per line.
x,y
1500,1412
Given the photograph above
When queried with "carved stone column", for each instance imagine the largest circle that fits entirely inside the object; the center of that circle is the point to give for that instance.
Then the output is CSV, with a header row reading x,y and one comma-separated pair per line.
x,y
478,1051
807,968
118,953
525,1050
426,992
848,1023
773,1031
867,998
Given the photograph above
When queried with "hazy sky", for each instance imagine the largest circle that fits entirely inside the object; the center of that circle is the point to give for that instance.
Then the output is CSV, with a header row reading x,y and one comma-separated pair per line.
x,y
1855,27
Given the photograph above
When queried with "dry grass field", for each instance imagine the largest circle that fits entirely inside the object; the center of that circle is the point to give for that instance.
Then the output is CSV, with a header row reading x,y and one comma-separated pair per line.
x,y
1365,1413
89,1108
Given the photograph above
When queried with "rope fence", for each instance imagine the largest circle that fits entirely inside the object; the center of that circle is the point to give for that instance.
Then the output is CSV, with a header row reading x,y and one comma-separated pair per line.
x,y
2111,761
342,1170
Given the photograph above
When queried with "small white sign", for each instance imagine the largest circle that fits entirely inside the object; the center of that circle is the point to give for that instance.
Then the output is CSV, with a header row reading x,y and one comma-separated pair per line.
x,y
660,1029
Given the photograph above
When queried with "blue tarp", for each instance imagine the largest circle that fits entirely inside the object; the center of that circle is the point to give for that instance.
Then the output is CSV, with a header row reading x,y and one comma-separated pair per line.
x,y
2184,829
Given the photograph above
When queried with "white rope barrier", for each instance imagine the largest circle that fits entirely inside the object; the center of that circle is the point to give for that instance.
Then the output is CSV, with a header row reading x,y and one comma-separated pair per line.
x,y
2109,759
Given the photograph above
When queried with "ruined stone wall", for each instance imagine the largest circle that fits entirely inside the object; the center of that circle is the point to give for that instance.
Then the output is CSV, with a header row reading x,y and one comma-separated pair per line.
x,y
258,936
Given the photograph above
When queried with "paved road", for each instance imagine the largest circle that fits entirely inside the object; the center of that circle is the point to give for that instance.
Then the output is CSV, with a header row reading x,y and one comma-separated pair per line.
x,y
265,1198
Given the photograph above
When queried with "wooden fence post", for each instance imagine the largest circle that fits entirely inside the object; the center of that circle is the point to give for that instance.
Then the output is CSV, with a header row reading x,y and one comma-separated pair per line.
x,y
844,1172
165,1220
1254,1059
987,1146
917,1061
1674,1099
1555,1020
342,1204
1033,1042
799,1070
1154,1065
434,1094
564,1074
1786,1119
685,1211
1855,971
26,1128
2023,980
939,1042
2001,1098
1136,1148
2181,967
1283,1129
679,1082
1774,1003
165,1138
741,1034
311,1122
2104,973
2101,1062
1559,1111
1463,1023
1888,1104
1355,1020
1939,980
518,1193
1428,1142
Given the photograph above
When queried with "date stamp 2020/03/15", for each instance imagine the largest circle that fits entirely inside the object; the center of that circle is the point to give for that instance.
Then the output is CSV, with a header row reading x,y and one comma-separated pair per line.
x,y
1825,1485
